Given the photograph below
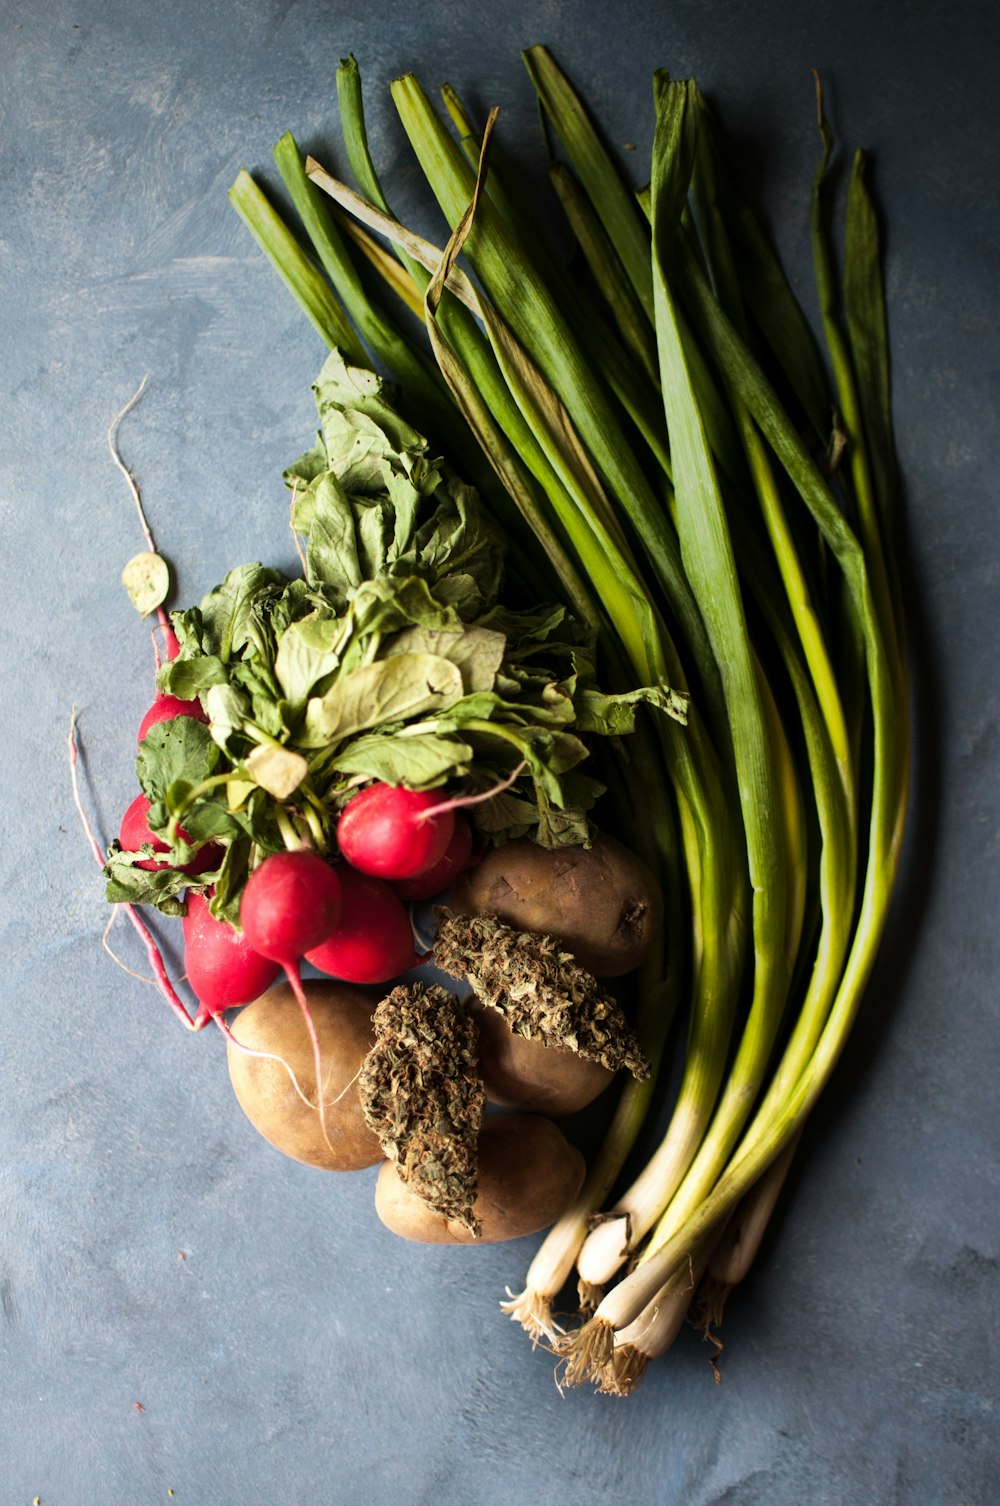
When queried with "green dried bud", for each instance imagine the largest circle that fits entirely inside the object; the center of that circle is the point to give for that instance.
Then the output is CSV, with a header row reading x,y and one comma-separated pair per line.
x,y
422,1095
540,990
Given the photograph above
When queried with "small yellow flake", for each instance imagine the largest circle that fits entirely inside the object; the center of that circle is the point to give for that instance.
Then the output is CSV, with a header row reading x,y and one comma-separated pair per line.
x,y
280,771
238,791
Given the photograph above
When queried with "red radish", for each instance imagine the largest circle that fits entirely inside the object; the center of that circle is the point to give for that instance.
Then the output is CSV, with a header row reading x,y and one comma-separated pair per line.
x,y
134,831
290,905
165,708
222,968
389,832
373,941
457,857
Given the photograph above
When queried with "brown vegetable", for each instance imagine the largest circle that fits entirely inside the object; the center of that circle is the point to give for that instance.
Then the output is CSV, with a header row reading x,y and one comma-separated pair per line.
x,y
528,1175
422,1095
274,1023
528,1074
601,902
538,987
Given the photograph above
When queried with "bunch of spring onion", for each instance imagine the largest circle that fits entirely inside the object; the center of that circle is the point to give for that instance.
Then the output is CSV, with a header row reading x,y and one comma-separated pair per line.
x,y
671,453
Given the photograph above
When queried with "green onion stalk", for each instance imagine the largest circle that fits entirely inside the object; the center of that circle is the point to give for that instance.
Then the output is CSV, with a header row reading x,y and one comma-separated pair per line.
x,y
798,637
622,418
628,1324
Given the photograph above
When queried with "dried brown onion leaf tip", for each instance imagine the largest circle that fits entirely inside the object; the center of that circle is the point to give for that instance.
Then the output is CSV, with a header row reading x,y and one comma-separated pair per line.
x,y
539,988
422,1095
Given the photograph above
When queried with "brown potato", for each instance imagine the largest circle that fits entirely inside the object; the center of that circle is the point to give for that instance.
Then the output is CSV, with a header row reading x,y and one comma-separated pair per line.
x,y
527,1074
274,1023
528,1174
601,902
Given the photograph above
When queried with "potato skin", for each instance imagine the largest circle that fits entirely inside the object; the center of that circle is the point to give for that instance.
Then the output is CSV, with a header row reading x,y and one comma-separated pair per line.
x,y
528,1175
602,901
527,1074
342,1016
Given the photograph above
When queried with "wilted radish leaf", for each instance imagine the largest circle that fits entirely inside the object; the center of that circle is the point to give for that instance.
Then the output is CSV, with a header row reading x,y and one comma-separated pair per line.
x,y
280,771
146,578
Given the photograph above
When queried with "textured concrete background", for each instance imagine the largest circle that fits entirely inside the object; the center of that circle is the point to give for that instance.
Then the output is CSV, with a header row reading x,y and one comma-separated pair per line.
x,y
298,1353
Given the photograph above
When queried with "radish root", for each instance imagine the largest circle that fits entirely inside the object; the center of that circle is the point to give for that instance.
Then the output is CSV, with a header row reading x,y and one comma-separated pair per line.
x,y
268,1056
461,801
294,978
163,982
116,457
132,485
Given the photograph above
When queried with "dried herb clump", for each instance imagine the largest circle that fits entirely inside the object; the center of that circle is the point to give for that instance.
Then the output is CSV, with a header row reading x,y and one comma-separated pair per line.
x,y
422,1095
539,989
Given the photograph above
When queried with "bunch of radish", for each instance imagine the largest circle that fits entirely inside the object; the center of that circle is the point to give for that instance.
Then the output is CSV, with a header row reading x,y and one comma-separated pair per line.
x,y
347,919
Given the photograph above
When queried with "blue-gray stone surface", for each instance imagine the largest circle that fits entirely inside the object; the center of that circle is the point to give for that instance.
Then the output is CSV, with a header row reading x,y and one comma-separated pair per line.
x,y
155,1253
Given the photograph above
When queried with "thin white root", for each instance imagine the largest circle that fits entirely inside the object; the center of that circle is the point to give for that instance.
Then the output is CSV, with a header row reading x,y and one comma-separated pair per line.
x,y
347,1088
268,1056
292,974
585,1352
623,1372
533,1310
139,977
590,1297
75,782
116,457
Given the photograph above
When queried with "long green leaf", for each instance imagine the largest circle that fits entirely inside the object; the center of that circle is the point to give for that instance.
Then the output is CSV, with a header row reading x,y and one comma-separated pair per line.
x,y
301,275
711,566
766,290
867,329
605,265
613,201
611,360
418,375
847,392
724,264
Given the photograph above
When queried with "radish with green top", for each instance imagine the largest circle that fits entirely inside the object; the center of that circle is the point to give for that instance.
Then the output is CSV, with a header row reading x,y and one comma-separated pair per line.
x,y
458,856
291,904
165,708
222,967
373,941
394,833
134,833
